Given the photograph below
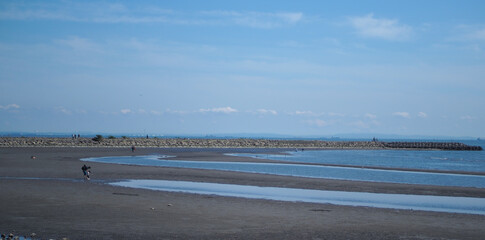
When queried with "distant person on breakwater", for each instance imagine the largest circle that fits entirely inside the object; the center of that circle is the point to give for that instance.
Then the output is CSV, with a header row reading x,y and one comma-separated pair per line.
x,y
133,148
86,171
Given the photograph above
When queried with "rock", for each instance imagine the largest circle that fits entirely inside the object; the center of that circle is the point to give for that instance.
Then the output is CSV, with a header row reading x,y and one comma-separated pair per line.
x,y
227,143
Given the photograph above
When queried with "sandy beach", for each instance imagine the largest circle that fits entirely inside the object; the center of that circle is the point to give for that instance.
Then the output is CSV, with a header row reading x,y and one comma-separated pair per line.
x,y
48,196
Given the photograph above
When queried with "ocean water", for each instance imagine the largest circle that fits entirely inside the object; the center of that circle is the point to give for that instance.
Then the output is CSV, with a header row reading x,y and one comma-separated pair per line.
x,y
473,161
351,163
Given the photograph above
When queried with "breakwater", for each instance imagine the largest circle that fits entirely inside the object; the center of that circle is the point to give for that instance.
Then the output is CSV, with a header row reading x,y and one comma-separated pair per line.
x,y
226,143
432,145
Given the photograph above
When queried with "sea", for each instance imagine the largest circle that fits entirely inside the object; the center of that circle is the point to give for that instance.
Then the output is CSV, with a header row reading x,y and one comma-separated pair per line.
x,y
422,167
472,161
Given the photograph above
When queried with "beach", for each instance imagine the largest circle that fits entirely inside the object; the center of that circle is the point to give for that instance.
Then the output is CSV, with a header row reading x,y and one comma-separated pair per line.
x,y
47,195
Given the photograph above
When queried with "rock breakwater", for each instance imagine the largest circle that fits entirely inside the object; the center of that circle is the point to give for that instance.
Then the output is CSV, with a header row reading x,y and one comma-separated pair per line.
x,y
432,145
225,143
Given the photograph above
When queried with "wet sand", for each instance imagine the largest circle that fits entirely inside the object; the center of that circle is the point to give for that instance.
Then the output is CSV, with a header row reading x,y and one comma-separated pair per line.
x,y
60,204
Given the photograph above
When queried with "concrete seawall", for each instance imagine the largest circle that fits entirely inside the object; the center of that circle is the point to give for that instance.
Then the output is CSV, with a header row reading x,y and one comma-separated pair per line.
x,y
227,143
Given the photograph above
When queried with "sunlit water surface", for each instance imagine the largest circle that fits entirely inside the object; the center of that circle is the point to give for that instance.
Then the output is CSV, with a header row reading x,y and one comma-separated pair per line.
x,y
311,171
472,161
355,159
379,200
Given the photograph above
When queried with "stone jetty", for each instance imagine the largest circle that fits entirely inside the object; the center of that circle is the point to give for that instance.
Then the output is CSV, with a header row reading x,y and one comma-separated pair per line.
x,y
432,145
226,143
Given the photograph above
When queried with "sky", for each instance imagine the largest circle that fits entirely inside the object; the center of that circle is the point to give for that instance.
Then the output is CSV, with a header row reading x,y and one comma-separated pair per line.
x,y
300,68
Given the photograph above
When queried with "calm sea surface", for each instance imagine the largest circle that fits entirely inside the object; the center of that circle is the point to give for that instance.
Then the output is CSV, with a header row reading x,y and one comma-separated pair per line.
x,y
380,200
473,161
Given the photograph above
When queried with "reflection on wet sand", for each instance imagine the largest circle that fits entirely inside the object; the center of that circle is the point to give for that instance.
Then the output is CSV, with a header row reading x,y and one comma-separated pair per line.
x,y
379,200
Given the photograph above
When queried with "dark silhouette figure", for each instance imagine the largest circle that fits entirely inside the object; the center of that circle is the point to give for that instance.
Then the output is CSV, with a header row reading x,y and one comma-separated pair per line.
x,y
86,171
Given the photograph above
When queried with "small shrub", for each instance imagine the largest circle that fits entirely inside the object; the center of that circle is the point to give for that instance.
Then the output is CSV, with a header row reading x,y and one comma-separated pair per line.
x,y
111,137
98,138
124,137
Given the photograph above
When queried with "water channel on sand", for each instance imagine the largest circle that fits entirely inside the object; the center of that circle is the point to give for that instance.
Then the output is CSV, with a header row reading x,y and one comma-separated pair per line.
x,y
312,171
379,200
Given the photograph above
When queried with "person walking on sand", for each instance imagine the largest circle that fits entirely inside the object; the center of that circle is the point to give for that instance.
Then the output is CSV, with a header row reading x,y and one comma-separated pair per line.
x,y
86,171
132,148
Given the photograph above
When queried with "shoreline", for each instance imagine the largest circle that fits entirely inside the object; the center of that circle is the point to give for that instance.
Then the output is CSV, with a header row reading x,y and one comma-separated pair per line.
x,y
211,154
90,210
282,152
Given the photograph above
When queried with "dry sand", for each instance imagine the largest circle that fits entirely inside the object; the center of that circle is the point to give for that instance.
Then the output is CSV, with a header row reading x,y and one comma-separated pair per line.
x,y
67,206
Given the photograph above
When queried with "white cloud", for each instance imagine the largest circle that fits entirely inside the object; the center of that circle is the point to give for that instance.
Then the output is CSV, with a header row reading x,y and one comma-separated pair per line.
x,y
365,124
333,114
370,116
81,12
291,44
422,115
467,33
119,13
10,106
359,124
64,110
317,122
256,19
154,112
478,34
305,113
402,114
219,110
290,17
168,110
80,44
389,29
266,111
125,111
467,117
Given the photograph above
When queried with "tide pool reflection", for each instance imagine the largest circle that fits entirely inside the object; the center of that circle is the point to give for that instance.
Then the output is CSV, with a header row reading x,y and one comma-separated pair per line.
x,y
312,171
379,200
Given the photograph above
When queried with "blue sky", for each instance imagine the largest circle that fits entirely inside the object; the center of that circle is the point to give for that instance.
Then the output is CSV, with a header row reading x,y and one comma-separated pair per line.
x,y
208,67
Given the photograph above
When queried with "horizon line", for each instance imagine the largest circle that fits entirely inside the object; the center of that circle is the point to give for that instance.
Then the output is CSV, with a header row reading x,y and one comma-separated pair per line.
x,y
242,135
